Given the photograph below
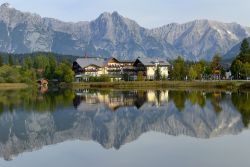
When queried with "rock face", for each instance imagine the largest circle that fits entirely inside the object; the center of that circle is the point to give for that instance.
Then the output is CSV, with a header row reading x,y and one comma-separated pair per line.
x,y
114,35
202,38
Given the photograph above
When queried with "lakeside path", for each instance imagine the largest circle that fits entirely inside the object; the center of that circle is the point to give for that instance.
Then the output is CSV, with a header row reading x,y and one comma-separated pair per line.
x,y
222,84
13,86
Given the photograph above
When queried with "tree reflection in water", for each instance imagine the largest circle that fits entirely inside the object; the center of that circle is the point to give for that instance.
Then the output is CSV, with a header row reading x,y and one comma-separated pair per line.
x,y
29,119
241,101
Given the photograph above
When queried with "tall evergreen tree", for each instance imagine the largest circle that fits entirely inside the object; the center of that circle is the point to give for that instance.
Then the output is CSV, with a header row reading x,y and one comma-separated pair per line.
x,y
244,51
27,62
244,48
1,60
10,60
158,74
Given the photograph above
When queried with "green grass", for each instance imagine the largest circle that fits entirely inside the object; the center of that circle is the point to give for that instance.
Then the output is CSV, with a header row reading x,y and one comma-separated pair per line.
x,y
229,85
12,86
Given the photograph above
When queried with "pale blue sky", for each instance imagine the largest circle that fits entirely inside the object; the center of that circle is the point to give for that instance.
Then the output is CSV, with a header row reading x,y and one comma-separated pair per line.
x,y
148,13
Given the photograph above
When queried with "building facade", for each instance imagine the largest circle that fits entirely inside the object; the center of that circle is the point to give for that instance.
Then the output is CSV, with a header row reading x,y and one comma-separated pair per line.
x,y
149,66
119,70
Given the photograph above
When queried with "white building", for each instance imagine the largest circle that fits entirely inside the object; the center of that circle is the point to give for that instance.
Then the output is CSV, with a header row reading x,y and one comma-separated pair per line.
x,y
149,67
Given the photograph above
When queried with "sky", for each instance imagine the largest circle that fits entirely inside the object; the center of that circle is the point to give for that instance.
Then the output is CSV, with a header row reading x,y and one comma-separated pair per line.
x,y
148,13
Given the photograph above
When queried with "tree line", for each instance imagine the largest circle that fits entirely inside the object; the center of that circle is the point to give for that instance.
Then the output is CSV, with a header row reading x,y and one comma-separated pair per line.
x,y
200,70
213,70
31,68
240,67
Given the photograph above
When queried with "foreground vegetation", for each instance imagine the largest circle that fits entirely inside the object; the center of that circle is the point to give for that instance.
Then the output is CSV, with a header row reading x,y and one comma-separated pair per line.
x,y
30,69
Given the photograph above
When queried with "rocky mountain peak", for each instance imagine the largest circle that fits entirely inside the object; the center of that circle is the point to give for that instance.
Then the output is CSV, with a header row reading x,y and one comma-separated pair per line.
x,y
6,5
111,34
115,14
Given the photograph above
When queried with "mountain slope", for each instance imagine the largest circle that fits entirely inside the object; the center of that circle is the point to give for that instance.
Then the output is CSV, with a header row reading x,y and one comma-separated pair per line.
x,y
234,51
202,38
108,35
114,35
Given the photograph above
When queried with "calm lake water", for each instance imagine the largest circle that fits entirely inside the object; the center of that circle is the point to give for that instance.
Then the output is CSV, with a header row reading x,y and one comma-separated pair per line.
x,y
110,128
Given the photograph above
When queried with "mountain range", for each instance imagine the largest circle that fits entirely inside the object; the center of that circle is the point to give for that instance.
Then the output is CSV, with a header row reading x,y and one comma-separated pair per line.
x,y
114,35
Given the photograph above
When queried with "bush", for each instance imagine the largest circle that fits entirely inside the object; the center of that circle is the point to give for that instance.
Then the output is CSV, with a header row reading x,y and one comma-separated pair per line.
x,y
2,80
102,78
140,76
9,74
64,72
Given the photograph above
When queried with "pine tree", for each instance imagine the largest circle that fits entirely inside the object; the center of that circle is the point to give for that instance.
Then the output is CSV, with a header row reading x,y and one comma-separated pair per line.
x,y
157,73
244,51
10,60
244,48
1,60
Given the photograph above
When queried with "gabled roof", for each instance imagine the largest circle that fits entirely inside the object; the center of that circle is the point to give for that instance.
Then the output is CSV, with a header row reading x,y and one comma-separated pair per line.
x,y
151,62
85,62
112,58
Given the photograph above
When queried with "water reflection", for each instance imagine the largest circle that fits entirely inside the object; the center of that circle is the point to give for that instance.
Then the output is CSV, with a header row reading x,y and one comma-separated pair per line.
x,y
118,99
31,120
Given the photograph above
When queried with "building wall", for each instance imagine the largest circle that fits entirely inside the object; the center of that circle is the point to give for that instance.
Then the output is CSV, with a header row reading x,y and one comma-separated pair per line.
x,y
151,72
93,71
164,71
116,69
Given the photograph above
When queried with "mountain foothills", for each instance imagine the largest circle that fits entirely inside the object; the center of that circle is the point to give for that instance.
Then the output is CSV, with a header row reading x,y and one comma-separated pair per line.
x,y
114,35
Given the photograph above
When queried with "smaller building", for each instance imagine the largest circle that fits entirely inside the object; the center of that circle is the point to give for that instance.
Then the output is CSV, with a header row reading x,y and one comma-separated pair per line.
x,y
43,82
87,67
149,66
228,75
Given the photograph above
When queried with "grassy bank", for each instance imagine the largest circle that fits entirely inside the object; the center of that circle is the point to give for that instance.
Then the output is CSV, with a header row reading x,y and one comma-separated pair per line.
x,y
13,86
228,85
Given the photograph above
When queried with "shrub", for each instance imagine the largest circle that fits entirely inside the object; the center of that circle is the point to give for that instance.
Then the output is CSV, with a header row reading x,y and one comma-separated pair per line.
x,y
140,76
102,78
9,74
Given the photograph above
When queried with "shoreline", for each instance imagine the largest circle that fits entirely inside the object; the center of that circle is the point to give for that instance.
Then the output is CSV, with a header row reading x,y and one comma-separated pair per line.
x,y
13,86
223,84
126,85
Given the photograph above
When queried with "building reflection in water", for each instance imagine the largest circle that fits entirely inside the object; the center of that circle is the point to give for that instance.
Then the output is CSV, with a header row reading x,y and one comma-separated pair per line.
x,y
117,99
31,120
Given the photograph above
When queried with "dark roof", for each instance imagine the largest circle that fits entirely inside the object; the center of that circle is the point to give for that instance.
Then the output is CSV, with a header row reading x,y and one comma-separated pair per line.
x,y
100,62
85,62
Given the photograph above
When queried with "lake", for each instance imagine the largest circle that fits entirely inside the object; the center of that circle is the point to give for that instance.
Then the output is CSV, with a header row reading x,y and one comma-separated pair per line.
x,y
111,128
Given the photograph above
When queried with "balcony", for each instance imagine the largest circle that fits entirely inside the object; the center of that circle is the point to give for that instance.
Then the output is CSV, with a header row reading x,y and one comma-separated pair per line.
x,y
114,70
91,70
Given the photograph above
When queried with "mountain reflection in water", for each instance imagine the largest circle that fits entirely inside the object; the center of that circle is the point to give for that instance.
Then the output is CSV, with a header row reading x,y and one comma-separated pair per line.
x,y
30,120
